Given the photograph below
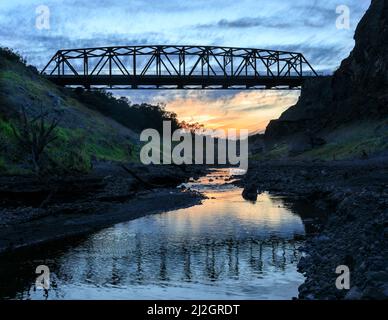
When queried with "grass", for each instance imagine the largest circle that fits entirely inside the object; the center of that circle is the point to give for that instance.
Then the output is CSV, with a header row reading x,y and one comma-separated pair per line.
x,y
352,141
349,149
346,142
11,77
15,81
84,135
278,151
107,152
6,129
76,148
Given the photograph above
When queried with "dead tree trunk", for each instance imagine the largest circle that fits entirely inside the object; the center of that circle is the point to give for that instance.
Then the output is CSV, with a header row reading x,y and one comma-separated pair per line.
x,y
35,134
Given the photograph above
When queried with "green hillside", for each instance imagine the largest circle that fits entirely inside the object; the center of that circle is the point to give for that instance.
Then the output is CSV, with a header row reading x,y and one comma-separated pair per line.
x,y
83,134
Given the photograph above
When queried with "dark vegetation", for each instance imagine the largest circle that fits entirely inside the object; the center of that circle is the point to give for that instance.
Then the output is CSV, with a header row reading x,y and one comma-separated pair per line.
x,y
94,126
134,116
12,56
32,140
35,134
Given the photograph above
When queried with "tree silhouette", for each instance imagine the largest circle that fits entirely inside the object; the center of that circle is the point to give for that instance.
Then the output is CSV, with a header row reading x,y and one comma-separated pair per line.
x,y
35,134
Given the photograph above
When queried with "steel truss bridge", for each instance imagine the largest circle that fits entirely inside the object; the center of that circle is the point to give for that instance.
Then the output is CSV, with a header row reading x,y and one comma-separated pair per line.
x,y
178,67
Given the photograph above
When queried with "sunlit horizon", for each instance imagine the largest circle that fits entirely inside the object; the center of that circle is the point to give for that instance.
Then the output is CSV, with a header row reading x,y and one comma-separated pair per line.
x,y
251,110
302,26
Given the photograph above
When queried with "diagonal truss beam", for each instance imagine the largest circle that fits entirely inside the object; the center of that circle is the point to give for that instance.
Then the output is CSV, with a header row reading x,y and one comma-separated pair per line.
x,y
89,66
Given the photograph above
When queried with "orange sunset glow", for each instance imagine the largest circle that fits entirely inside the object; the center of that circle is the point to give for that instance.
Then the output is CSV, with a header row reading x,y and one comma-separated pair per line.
x,y
250,110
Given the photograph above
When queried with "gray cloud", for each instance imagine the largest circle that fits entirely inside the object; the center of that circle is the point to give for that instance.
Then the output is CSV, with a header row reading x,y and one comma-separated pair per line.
x,y
256,108
298,16
247,22
17,27
320,55
313,15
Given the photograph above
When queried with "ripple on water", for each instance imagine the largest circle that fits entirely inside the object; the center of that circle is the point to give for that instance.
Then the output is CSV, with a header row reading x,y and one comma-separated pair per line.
x,y
226,248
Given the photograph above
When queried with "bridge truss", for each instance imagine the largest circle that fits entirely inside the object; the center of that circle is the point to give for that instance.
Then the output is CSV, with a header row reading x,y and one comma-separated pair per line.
x,y
178,67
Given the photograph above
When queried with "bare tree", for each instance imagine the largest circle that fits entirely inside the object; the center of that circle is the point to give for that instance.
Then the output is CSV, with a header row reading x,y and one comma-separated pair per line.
x,y
35,134
192,127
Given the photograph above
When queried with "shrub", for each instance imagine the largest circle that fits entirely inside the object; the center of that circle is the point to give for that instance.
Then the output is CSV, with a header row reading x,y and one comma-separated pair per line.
x,y
12,56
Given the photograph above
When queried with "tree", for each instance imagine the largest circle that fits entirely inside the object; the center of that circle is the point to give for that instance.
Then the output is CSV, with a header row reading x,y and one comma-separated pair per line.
x,y
35,134
192,127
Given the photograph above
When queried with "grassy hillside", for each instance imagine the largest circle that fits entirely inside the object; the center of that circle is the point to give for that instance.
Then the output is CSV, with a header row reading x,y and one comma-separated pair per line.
x,y
352,141
83,134
349,141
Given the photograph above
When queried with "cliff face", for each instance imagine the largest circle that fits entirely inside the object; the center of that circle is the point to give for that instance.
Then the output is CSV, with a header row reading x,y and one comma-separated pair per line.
x,y
357,91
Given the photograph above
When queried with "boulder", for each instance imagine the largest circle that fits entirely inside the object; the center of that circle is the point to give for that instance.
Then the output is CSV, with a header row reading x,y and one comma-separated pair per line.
x,y
250,192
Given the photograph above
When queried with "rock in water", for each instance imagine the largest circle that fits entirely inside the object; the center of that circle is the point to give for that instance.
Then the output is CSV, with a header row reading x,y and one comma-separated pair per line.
x,y
250,192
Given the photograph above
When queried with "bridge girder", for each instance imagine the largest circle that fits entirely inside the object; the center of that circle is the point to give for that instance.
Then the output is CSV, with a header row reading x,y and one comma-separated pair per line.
x,y
178,67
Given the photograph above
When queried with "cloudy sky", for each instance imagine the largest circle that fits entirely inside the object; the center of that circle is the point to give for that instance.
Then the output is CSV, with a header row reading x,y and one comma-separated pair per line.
x,y
306,26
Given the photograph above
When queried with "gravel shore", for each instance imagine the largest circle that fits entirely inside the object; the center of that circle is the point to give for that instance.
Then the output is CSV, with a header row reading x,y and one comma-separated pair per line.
x,y
354,194
34,211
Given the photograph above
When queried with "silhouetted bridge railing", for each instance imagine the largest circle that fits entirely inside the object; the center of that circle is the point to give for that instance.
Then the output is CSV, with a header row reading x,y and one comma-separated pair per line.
x,y
178,67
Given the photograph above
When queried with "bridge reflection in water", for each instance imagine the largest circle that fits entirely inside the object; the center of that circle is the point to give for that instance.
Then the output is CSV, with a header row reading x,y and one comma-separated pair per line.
x,y
178,67
226,248
208,262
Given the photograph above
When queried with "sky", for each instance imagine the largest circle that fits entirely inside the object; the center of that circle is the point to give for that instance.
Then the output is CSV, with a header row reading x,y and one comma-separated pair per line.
x,y
307,26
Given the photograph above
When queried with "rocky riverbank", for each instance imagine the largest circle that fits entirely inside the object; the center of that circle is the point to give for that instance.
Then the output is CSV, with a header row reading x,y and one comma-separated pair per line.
x,y
354,195
34,211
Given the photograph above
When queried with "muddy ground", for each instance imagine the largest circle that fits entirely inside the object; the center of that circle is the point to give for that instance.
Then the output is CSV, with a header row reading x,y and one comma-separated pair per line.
x,y
37,210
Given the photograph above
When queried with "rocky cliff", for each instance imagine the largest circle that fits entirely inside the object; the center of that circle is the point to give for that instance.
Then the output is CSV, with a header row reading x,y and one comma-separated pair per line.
x,y
358,90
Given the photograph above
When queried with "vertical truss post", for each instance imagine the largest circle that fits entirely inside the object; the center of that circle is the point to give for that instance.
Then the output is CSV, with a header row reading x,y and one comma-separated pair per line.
x,y
202,62
86,64
58,62
62,61
255,64
134,61
71,67
231,63
208,62
184,60
158,62
300,66
110,66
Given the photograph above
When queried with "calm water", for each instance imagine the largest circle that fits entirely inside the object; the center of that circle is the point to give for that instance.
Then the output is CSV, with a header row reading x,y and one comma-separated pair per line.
x,y
226,248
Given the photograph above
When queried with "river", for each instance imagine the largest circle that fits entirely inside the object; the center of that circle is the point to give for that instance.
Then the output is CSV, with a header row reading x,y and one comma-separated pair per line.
x,y
226,248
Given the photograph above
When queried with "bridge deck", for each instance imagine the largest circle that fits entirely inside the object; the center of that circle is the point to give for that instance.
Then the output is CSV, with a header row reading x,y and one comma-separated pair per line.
x,y
179,82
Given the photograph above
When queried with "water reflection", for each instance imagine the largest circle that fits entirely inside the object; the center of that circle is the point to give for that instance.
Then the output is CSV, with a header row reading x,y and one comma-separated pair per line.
x,y
227,248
